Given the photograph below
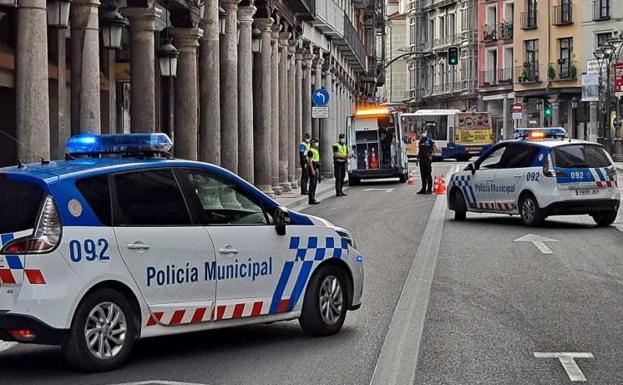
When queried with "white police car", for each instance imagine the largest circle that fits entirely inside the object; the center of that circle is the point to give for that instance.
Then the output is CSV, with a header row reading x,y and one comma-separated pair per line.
x,y
100,251
536,179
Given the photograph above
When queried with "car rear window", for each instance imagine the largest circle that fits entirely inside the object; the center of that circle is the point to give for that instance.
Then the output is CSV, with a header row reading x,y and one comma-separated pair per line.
x,y
19,205
581,156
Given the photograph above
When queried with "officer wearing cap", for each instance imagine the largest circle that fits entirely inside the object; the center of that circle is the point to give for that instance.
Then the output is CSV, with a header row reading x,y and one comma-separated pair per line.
x,y
313,164
303,150
340,157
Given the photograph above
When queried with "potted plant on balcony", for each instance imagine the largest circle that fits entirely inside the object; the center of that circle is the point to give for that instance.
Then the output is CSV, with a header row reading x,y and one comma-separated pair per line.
x,y
551,73
573,72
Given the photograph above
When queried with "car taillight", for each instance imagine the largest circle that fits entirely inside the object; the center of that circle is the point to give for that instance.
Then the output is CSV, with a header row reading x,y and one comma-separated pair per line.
x,y
46,236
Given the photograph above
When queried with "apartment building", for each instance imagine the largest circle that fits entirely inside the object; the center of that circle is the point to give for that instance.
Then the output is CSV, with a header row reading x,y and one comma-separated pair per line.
x,y
434,27
547,55
396,44
496,62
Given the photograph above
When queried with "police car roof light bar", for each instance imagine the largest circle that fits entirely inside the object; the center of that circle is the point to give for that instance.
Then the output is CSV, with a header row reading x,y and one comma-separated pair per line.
x,y
540,133
156,143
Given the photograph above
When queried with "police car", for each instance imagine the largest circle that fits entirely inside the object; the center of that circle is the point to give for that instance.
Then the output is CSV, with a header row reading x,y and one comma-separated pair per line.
x,y
122,242
537,177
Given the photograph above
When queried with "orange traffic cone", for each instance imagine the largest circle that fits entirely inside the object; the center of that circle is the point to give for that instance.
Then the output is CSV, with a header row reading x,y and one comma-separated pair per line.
x,y
436,185
374,164
410,179
442,185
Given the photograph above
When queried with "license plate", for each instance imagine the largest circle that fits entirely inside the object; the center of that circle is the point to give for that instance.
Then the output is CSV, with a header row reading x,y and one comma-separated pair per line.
x,y
586,192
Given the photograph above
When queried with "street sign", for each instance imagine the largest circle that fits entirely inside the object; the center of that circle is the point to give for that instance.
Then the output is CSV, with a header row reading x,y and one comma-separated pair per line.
x,y
517,107
320,112
618,77
590,88
320,97
517,115
593,67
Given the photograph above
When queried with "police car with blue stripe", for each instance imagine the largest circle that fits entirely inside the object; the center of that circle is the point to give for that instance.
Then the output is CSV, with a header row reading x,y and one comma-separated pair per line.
x,y
539,175
121,241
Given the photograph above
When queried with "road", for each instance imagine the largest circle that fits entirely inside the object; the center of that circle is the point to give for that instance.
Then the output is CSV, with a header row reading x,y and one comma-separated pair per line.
x,y
493,304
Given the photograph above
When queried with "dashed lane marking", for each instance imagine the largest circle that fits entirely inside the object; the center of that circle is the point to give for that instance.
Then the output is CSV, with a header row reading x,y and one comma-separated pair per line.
x,y
568,363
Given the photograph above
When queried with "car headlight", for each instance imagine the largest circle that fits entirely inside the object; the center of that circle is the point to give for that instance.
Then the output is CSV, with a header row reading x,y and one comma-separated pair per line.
x,y
348,237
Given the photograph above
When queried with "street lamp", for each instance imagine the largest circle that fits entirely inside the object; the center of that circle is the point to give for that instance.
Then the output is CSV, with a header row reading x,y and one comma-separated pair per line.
x,y
112,27
58,13
167,57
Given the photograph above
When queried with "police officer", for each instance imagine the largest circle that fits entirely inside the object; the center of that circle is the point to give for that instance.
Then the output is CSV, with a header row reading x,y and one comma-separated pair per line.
x,y
340,157
313,164
426,149
303,150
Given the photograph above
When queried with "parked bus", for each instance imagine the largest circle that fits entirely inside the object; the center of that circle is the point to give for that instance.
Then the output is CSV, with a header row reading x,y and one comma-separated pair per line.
x,y
459,135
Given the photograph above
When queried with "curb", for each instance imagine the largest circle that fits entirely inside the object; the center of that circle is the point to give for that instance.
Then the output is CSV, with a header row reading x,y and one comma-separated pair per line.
x,y
301,203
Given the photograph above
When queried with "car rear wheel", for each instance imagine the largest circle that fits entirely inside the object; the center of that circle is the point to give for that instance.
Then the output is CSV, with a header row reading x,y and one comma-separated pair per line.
x,y
604,219
530,212
460,207
102,333
324,307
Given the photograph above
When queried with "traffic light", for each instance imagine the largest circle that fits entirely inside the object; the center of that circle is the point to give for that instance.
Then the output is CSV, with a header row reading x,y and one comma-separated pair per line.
x,y
547,109
453,56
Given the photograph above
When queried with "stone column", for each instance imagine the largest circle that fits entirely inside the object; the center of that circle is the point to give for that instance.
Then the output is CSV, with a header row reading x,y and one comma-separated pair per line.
x,y
508,134
262,109
292,143
274,154
59,111
186,40
85,67
111,113
142,69
245,95
209,86
283,112
307,90
229,89
328,134
317,84
594,122
298,115
31,82
556,113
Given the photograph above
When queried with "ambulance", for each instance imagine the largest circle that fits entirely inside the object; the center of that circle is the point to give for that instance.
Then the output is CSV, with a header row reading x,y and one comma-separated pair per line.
x,y
121,241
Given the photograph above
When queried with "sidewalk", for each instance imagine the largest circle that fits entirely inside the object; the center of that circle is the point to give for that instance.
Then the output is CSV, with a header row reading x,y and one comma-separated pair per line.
x,y
295,201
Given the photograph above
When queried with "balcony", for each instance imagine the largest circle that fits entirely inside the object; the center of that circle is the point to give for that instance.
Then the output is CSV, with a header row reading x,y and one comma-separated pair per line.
x,y
601,10
505,30
495,77
489,33
328,17
563,14
563,70
350,44
529,19
528,73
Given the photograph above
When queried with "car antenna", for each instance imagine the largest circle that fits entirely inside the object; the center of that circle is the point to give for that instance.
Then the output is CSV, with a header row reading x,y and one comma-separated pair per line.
x,y
21,164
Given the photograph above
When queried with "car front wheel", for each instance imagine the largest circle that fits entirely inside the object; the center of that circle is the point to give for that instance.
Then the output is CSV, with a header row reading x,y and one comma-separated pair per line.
x,y
605,218
102,333
324,307
530,212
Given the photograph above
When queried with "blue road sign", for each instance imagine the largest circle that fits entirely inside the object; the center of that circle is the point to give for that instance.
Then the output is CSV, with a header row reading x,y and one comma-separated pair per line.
x,y
320,97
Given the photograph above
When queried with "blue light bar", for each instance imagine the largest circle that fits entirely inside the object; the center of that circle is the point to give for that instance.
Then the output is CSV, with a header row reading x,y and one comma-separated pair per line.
x,y
118,144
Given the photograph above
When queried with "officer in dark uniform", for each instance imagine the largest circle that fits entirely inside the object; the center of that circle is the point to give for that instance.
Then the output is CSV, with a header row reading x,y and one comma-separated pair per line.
x,y
425,156
313,164
340,157
303,150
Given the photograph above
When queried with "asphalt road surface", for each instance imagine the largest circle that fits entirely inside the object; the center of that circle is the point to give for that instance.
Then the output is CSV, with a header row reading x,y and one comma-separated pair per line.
x,y
490,304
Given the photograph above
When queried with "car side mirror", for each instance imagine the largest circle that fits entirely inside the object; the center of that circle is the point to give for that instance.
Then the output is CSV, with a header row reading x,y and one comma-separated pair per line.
x,y
281,219
472,167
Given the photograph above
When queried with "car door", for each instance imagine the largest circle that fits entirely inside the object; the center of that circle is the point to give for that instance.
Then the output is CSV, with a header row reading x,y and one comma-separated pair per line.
x,y
516,173
165,253
483,179
257,271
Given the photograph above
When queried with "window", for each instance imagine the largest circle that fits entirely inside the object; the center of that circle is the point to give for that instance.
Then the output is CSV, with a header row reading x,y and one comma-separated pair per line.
x,y
531,52
19,205
493,159
149,198
222,203
519,156
564,59
601,9
581,156
602,38
97,194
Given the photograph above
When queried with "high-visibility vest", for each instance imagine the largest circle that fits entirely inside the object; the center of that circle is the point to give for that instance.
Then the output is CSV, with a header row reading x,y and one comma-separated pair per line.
x,y
316,155
304,147
342,149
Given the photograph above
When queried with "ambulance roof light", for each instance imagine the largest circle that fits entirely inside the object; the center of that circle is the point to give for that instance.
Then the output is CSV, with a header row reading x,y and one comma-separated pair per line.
x,y
119,144
372,111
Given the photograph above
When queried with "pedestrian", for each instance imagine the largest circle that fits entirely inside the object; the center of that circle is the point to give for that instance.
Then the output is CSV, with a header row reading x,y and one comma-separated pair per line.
x,y
340,157
313,165
426,149
303,150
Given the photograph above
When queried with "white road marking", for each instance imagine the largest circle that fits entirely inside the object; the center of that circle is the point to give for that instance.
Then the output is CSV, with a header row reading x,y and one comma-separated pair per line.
x,y
6,345
387,190
538,241
398,358
568,363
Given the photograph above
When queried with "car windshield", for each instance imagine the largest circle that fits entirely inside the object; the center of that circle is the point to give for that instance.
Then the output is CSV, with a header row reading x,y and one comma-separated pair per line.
x,y
19,205
581,156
